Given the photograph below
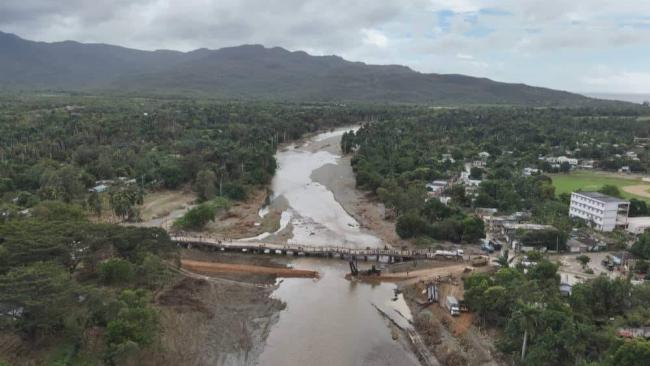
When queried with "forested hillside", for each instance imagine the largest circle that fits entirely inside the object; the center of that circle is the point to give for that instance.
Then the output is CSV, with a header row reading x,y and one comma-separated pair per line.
x,y
249,72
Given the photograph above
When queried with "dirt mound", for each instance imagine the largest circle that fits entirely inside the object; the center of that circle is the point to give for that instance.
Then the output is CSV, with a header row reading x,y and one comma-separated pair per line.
x,y
186,296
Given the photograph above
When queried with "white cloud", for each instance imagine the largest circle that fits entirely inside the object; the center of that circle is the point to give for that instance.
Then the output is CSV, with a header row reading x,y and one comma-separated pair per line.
x,y
374,37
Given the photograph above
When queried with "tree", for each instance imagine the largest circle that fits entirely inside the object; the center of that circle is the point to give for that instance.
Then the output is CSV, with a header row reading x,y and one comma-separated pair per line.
x,y
473,229
196,218
638,208
502,260
205,185
458,195
565,167
526,317
410,225
95,204
134,326
641,248
39,293
476,173
610,190
434,210
116,271
583,259
635,352
123,200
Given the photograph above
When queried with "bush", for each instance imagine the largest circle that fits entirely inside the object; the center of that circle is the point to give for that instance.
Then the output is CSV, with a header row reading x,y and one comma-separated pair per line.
x,y
641,249
116,271
235,191
410,225
58,211
196,218
134,327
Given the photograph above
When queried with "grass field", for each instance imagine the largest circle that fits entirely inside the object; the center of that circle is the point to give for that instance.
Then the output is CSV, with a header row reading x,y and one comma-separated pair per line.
x,y
592,181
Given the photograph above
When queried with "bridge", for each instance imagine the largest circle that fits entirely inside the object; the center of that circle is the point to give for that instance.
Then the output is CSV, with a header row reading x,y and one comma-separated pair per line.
x,y
389,255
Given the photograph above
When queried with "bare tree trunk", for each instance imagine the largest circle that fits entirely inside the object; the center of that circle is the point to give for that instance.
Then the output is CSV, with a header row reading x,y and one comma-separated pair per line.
x,y
523,346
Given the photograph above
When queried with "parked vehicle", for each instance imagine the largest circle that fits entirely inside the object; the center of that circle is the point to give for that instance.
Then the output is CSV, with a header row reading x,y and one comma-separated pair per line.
x,y
446,254
487,247
452,306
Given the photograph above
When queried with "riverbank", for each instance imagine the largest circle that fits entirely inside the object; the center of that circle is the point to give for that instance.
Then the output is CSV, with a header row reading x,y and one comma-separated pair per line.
x,y
218,319
340,180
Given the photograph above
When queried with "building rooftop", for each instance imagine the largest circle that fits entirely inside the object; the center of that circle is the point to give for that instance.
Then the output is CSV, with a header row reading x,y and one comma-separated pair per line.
x,y
601,197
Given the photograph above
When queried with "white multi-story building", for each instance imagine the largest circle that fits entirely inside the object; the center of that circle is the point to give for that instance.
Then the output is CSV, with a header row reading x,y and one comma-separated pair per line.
x,y
602,211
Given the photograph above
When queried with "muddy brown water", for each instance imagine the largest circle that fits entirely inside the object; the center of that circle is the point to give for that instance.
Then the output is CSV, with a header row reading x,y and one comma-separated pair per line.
x,y
330,320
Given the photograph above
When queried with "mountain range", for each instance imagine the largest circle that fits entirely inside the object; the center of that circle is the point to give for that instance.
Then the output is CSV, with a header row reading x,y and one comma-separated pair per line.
x,y
248,72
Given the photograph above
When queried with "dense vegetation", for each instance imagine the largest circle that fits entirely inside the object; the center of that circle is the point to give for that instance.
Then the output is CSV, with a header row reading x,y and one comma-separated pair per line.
x,y
58,149
543,327
396,156
84,288
64,277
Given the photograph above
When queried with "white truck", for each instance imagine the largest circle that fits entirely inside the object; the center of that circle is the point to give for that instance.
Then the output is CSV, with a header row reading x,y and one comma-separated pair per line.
x,y
450,254
452,306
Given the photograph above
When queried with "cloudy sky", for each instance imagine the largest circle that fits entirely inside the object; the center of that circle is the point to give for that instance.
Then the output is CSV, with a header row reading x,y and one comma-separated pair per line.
x,y
577,45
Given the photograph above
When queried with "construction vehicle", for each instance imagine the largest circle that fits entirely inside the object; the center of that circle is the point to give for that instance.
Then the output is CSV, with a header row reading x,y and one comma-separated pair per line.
x,y
354,270
452,306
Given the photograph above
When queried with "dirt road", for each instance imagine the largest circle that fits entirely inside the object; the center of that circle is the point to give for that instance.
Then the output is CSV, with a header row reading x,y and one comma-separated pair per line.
x,y
220,268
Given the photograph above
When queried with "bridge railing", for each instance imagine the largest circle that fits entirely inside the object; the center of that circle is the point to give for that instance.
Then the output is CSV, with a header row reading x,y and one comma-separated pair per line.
x,y
179,237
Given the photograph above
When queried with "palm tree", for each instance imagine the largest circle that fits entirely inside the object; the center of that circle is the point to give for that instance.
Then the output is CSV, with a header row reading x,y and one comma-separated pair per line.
x,y
526,316
503,259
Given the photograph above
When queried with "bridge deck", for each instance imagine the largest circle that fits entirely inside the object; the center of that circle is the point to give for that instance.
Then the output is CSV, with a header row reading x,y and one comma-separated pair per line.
x,y
260,246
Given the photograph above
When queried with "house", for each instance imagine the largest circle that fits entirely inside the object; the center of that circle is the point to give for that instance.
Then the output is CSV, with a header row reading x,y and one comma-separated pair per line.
x,y
495,224
478,163
436,187
602,211
561,159
587,164
465,178
527,172
511,232
99,188
484,155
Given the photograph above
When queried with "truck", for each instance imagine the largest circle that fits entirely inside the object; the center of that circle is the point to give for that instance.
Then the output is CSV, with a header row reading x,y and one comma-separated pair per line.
x,y
451,254
452,306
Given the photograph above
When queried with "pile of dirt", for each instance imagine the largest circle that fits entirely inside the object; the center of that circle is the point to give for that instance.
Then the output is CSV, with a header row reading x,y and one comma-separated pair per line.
x,y
213,322
185,296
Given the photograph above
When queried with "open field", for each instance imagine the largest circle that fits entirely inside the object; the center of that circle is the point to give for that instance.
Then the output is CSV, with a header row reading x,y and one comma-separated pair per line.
x,y
630,186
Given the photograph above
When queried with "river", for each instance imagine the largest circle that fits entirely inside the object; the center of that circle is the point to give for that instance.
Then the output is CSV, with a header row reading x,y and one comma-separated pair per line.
x,y
328,321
